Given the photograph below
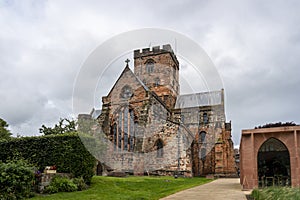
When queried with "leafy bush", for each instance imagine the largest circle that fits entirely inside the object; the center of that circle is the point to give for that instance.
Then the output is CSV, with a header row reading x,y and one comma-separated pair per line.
x,y
80,183
65,151
61,184
51,189
16,180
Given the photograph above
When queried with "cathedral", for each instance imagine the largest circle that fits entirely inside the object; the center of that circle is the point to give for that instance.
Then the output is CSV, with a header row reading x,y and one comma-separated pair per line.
x,y
152,129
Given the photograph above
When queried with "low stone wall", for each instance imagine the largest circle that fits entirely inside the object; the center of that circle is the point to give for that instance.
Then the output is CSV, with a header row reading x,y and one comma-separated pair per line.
x,y
44,179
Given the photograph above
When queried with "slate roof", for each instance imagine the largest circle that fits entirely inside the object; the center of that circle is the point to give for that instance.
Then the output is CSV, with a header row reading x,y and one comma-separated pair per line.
x,y
95,113
199,99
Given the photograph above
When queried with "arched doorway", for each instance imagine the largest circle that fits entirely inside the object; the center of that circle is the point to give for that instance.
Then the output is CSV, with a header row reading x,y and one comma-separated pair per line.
x,y
273,164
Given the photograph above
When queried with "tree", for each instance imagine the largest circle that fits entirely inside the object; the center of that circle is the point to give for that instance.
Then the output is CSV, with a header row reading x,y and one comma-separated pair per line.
x,y
4,132
63,126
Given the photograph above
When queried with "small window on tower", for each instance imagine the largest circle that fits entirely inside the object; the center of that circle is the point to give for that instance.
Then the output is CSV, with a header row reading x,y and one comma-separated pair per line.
x,y
205,118
150,66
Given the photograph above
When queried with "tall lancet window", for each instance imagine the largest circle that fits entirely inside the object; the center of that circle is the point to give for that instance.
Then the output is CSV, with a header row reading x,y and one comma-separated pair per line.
x,y
115,136
131,131
205,118
120,131
159,149
123,130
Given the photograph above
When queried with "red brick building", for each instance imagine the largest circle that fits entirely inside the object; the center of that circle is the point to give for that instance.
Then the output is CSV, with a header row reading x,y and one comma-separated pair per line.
x,y
270,156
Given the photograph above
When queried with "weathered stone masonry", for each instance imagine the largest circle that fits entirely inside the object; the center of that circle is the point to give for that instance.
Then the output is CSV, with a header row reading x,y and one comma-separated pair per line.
x,y
154,129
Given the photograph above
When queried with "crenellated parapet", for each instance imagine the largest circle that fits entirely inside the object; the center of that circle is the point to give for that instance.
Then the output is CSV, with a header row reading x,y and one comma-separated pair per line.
x,y
156,51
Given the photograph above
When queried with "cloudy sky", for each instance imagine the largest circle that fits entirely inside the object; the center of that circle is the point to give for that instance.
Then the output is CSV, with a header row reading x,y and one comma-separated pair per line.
x,y
254,45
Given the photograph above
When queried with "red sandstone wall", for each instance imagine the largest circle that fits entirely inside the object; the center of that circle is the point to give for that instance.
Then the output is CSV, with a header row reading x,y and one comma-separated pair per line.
x,y
252,140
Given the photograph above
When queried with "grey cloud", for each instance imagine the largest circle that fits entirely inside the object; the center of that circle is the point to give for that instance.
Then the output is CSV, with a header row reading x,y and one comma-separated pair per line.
x,y
253,44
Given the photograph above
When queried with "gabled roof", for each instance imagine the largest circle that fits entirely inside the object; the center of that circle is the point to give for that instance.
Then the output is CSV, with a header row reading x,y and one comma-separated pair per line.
x,y
126,69
199,99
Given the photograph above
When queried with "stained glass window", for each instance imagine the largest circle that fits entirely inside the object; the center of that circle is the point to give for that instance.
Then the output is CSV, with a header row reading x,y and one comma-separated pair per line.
x,y
123,130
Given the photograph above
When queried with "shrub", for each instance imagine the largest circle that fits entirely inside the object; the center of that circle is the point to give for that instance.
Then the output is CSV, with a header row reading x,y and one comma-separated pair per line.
x,y
61,184
65,151
80,183
16,180
50,189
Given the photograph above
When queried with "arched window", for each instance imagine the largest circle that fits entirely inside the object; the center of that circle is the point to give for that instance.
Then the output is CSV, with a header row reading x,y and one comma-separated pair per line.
x,y
205,118
120,131
159,148
115,138
131,131
150,66
202,137
123,130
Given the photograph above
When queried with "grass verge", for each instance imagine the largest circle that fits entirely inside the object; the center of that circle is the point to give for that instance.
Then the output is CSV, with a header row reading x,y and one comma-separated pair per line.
x,y
131,187
278,193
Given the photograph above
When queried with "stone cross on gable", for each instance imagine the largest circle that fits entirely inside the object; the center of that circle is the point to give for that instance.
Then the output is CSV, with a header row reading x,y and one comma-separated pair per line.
x,y
127,61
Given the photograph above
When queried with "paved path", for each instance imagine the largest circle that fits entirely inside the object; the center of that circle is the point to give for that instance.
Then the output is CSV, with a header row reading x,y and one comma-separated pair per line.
x,y
220,189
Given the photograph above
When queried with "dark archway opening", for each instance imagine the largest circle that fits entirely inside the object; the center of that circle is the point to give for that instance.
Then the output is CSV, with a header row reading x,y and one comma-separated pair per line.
x,y
99,169
199,155
159,148
273,164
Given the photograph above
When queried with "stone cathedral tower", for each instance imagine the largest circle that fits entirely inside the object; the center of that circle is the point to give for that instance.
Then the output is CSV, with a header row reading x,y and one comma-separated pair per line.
x,y
159,70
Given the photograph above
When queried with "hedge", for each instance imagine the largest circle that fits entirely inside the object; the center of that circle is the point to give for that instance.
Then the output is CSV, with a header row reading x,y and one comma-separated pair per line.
x,y
65,151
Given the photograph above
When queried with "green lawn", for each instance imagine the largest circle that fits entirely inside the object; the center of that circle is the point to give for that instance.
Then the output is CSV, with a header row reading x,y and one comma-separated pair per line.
x,y
129,188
